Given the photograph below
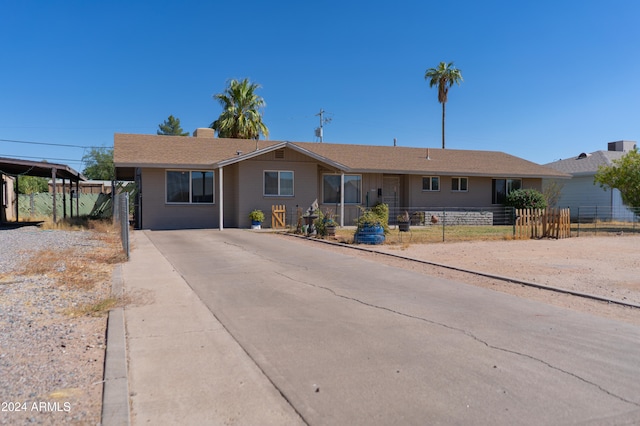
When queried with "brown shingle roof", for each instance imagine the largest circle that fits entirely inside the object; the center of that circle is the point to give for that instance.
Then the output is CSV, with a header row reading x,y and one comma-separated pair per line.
x,y
131,150
405,160
171,151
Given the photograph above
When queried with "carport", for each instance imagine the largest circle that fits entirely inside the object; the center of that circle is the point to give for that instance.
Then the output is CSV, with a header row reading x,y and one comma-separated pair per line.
x,y
16,168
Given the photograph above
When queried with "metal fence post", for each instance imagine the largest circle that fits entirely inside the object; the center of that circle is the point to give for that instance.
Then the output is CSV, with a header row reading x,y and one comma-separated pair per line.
x,y
124,220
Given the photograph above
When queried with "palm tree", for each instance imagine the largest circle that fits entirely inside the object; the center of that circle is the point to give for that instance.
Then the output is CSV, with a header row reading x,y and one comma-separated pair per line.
x,y
443,76
240,117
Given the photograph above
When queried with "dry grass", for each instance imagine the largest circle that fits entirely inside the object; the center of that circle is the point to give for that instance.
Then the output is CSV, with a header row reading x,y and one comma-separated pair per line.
x,y
97,309
86,268
434,234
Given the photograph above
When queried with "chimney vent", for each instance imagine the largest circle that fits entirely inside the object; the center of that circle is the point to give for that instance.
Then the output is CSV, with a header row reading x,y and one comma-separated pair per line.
x,y
203,132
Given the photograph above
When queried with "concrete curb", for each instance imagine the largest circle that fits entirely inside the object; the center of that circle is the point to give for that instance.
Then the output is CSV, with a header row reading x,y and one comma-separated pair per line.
x,y
115,391
479,273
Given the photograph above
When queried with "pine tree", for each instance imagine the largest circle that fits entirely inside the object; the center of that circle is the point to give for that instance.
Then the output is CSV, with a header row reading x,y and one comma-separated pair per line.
x,y
171,127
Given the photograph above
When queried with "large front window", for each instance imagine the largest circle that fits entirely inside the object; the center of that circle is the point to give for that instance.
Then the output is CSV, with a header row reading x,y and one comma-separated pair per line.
x,y
278,183
190,186
502,188
331,189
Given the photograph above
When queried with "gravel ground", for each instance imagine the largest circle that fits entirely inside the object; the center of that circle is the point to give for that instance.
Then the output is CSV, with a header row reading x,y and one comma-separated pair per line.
x,y
51,361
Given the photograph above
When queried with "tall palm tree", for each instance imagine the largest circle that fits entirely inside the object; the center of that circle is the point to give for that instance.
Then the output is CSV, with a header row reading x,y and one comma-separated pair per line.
x,y
240,117
444,76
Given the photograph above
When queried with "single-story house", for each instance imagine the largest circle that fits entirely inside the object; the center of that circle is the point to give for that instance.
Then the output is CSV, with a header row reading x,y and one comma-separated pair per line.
x,y
208,182
580,193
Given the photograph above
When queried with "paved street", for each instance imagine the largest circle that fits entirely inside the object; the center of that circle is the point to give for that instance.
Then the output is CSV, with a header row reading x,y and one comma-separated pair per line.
x,y
347,341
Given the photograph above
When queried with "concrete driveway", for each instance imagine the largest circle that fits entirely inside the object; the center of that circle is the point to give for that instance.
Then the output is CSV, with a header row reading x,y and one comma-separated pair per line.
x,y
344,340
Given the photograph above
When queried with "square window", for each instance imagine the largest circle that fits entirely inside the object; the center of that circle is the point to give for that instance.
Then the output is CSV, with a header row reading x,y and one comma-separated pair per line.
x,y
431,183
459,184
278,183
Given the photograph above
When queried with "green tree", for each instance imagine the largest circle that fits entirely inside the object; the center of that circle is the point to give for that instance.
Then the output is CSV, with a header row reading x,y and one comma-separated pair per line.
x,y
624,175
241,117
171,127
99,164
444,76
32,185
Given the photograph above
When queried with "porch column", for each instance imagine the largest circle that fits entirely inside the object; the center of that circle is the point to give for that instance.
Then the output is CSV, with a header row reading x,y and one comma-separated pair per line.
x,y
342,198
220,202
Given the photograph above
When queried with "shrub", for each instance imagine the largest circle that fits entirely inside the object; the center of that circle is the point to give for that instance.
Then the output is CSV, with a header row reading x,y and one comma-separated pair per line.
x,y
526,199
376,215
256,216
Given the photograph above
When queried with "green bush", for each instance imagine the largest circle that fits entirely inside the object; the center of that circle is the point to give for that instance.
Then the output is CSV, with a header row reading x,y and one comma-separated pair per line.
x,y
256,216
526,199
376,215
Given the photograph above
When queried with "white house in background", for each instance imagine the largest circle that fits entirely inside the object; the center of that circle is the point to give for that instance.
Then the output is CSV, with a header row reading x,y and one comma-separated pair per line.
x,y
580,193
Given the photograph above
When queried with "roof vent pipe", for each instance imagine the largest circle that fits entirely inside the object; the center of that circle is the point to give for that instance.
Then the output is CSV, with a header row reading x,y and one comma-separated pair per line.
x,y
395,142
428,156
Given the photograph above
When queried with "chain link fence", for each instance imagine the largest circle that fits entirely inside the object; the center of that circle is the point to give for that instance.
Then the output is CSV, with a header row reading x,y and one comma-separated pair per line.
x,y
595,220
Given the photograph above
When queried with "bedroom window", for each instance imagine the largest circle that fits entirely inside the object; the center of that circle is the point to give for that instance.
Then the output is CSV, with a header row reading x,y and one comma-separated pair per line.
x,y
278,183
431,183
190,187
459,184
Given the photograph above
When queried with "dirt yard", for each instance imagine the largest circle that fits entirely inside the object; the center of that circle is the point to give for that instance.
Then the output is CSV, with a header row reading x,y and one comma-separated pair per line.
x,y
604,266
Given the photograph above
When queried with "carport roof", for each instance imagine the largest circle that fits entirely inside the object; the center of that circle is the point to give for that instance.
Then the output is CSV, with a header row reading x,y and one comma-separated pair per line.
x,y
15,167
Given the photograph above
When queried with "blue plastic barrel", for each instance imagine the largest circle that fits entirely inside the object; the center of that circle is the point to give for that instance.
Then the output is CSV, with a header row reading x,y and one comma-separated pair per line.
x,y
373,234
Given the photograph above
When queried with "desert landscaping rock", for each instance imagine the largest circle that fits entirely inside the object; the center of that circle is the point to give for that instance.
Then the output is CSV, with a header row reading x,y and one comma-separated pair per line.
x,y
51,362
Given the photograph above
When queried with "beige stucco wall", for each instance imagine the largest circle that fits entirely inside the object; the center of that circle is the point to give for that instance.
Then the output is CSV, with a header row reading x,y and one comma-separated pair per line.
x,y
250,180
157,214
479,193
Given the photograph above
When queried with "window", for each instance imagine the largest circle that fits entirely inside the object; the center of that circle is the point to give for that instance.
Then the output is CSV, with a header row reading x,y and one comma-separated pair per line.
x,y
278,183
430,183
459,184
331,189
502,188
190,187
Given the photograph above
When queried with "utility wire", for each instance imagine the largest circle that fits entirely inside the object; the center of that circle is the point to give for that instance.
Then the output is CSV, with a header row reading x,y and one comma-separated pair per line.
x,y
49,144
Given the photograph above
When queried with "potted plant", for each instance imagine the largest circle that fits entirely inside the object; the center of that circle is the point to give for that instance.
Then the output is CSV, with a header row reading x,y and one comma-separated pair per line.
x,y
257,217
404,222
372,225
330,224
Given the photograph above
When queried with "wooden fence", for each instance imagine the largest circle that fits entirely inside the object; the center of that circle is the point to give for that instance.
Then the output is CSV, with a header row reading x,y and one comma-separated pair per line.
x,y
278,216
543,223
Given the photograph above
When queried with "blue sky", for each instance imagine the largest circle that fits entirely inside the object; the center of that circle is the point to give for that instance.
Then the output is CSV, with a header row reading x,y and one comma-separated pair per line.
x,y
543,80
